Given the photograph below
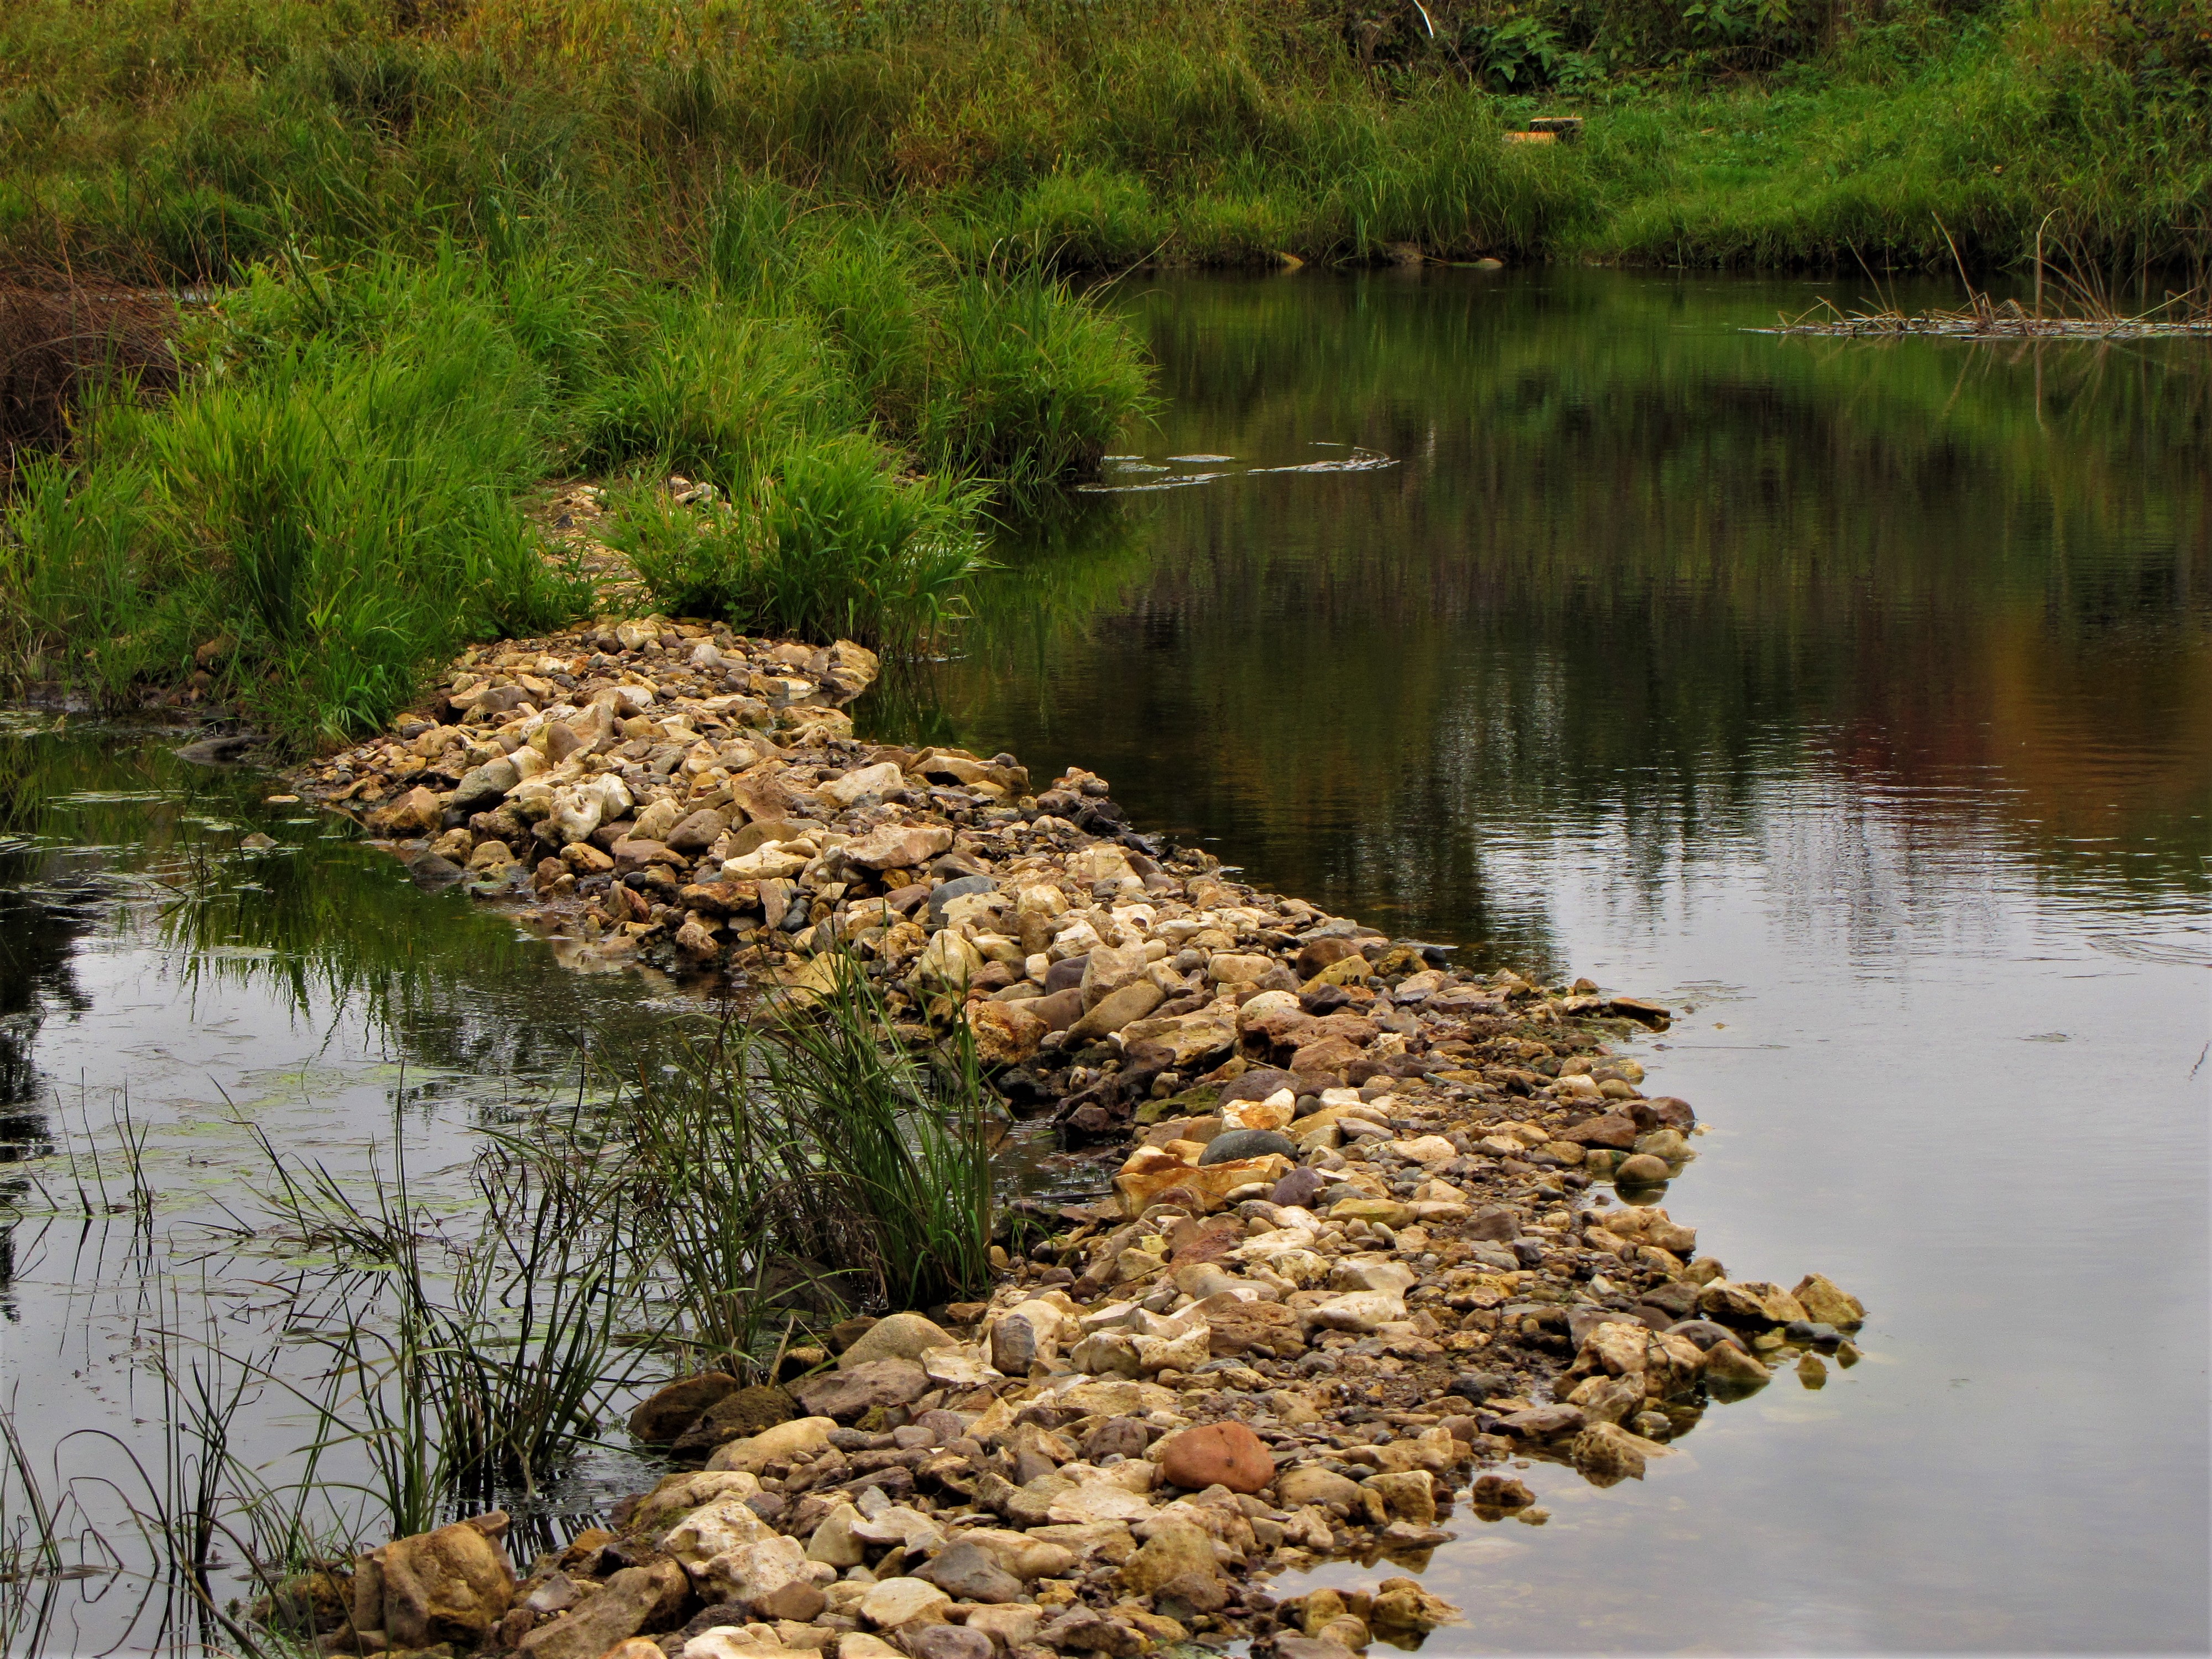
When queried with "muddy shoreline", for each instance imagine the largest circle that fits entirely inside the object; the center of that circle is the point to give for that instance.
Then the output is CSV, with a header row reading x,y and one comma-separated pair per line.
x,y
1378,1228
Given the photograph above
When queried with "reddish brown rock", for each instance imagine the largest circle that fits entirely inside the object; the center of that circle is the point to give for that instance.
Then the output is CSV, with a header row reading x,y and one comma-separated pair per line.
x,y
1218,1455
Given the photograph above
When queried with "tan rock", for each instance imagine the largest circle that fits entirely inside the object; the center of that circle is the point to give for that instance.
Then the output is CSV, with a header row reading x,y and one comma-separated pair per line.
x,y
1824,1300
1607,1452
1409,1495
891,1602
783,1441
894,846
1007,1034
417,812
1173,1550
897,1336
450,1585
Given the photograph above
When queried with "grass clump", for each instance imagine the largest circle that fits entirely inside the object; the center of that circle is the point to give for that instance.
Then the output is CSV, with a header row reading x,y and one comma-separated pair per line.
x,y
814,1166
327,504
308,522
826,542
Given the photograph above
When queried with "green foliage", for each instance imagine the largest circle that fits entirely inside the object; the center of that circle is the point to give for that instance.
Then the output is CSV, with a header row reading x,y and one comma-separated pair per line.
x,y
814,1166
309,522
827,541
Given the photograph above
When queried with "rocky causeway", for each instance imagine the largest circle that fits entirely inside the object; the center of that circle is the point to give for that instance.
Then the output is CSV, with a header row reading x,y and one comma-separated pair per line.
x,y
1374,1232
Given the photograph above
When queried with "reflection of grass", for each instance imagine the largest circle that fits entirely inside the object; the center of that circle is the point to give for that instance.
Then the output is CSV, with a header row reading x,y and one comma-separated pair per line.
x,y
1630,555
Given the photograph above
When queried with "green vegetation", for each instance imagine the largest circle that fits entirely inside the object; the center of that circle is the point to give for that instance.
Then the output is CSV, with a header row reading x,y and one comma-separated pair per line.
x,y
328,503
806,256
198,137
789,1175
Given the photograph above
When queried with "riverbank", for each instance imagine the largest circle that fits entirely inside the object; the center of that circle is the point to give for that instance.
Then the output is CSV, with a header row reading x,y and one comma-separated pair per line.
x,y
1374,1227
204,143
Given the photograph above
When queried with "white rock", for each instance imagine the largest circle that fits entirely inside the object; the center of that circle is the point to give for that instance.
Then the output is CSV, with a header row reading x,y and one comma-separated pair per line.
x,y
712,1530
894,1602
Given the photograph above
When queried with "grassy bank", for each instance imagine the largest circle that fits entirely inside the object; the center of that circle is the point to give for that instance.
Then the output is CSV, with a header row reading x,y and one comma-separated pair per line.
x,y
328,501
196,137
807,256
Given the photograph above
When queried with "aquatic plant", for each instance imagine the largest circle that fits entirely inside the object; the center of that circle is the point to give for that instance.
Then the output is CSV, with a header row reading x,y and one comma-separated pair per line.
x,y
789,1174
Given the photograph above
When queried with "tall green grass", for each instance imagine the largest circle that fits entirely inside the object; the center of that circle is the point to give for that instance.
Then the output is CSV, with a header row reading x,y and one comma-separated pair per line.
x,y
199,137
789,1175
823,541
327,506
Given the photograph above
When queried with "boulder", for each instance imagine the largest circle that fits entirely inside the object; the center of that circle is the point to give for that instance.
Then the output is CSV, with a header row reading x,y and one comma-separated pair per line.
x,y
417,812
772,1575
950,1642
1728,1364
664,1415
1235,1143
485,786
845,1394
1006,1033
1174,1550
1612,1130
1408,1495
626,1604
799,1436
1116,1009
1309,1483
884,778
697,833
1826,1303
969,1572
895,846
451,1585
1752,1303
898,1336
1217,1455
1358,1310
890,1602
1607,1452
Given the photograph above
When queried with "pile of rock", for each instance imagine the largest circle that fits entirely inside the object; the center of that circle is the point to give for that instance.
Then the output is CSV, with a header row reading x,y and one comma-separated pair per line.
x,y
1350,1262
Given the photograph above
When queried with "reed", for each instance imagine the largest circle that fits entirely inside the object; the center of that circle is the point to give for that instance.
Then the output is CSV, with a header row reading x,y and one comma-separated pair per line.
x,y
808,1168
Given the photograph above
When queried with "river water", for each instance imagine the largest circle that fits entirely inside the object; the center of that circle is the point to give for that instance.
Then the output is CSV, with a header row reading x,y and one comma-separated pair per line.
x,y
1855,699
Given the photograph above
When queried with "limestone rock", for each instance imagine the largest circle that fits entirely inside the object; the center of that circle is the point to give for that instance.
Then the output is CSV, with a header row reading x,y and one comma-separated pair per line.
x,y
1606,1451
1825,1301
450,1585
844,1395
799,1435
897,1336
891,1602
969,1572
1006,1033
1312,1484
894,847
1174,1550
627,1603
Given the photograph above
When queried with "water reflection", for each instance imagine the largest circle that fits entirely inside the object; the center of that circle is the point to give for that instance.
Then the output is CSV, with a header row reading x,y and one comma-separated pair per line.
x,y
1858,699
1633,562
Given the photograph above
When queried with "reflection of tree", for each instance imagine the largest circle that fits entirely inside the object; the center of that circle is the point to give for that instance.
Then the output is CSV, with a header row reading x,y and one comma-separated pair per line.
x,y
1634,558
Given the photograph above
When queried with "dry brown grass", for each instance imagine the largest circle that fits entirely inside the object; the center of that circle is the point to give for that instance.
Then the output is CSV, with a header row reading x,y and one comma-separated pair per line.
x,y
61,344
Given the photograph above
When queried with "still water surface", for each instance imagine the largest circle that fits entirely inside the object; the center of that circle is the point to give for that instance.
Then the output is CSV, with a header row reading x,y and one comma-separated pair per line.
x,y
1857,699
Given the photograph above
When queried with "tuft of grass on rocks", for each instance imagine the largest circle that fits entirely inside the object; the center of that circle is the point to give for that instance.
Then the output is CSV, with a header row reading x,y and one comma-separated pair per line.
x,y
810,1167
825,542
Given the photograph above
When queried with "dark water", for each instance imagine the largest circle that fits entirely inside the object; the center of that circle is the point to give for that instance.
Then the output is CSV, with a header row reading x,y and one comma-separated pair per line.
x,y
1859,698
